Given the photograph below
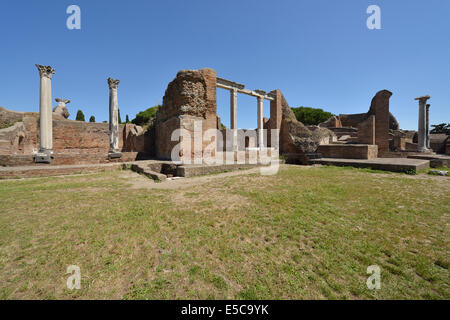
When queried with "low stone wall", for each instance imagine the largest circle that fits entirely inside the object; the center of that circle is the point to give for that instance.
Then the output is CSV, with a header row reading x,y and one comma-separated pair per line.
x,y
47,171
71,158
348,151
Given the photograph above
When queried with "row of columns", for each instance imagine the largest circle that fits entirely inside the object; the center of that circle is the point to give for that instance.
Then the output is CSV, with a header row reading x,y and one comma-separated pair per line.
x,y
233,118
45,152
423,135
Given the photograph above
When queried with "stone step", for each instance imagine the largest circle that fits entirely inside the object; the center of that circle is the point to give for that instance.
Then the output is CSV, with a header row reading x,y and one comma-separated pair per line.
x,y
197,170
387,164
145,170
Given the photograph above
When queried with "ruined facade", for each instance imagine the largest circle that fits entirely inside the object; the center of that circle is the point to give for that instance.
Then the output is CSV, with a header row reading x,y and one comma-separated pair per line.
x,y
189,99
372,127
189,106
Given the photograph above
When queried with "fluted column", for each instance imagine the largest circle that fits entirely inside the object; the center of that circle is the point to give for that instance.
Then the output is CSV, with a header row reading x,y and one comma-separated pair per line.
x,y
422,136
113,119
45,114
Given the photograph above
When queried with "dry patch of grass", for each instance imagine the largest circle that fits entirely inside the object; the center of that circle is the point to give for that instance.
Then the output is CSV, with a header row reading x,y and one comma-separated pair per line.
x,y
306,233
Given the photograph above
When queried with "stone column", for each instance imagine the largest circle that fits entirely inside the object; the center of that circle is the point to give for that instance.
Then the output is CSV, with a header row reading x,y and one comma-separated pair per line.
x,y
260,121
428,126
233,117
422,136
113,119
45,115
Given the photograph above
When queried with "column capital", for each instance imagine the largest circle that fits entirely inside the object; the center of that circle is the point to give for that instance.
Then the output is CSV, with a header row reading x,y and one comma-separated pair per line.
x,y
113,83
45,71
423,99
428,106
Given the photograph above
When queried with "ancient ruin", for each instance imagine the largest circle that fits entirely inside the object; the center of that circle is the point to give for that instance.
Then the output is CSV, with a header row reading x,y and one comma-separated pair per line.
x,y
187,128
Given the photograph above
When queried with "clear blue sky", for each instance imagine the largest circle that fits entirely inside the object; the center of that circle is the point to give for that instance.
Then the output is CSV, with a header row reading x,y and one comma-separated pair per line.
x,y
319,53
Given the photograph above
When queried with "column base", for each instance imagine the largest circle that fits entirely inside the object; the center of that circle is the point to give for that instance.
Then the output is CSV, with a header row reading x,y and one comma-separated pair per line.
x,y
43,157
114,154
425,151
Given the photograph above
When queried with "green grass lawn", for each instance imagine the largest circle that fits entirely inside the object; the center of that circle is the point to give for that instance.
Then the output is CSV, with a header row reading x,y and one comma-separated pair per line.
x,y
306,233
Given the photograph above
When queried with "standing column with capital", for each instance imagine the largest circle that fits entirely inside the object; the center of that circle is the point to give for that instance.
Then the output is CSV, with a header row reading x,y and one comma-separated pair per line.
x,y
45,115
422,134
428,126
114,151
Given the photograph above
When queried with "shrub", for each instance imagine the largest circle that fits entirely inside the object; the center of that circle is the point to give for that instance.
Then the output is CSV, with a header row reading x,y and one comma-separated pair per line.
x,y
80,116
143,117
441,128
92,119
311,116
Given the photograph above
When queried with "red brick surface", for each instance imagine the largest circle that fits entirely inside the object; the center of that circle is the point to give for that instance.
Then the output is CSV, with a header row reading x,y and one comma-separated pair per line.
x,y
348,151
366,131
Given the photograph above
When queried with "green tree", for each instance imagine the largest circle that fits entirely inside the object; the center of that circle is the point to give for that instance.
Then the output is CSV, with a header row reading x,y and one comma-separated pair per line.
x,y
143,117
80,116
441,128
127,120
120,119
311,116
92,119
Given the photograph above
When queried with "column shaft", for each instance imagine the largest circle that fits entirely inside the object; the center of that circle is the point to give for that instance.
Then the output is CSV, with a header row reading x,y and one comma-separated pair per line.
x,y
260,122
45,114
422,127
113,117
233,118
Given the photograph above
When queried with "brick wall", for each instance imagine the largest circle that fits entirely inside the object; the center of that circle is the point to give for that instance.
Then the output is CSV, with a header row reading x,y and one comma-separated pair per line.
x,y
189,98
348,151
366,131
380,107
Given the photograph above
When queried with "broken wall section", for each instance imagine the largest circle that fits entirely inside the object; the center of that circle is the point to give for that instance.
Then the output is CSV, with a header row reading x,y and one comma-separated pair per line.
x,y
189,99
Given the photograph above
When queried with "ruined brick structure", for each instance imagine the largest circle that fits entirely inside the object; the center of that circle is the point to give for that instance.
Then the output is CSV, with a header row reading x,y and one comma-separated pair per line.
x,y
189,104
372,127
73,141
190,98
